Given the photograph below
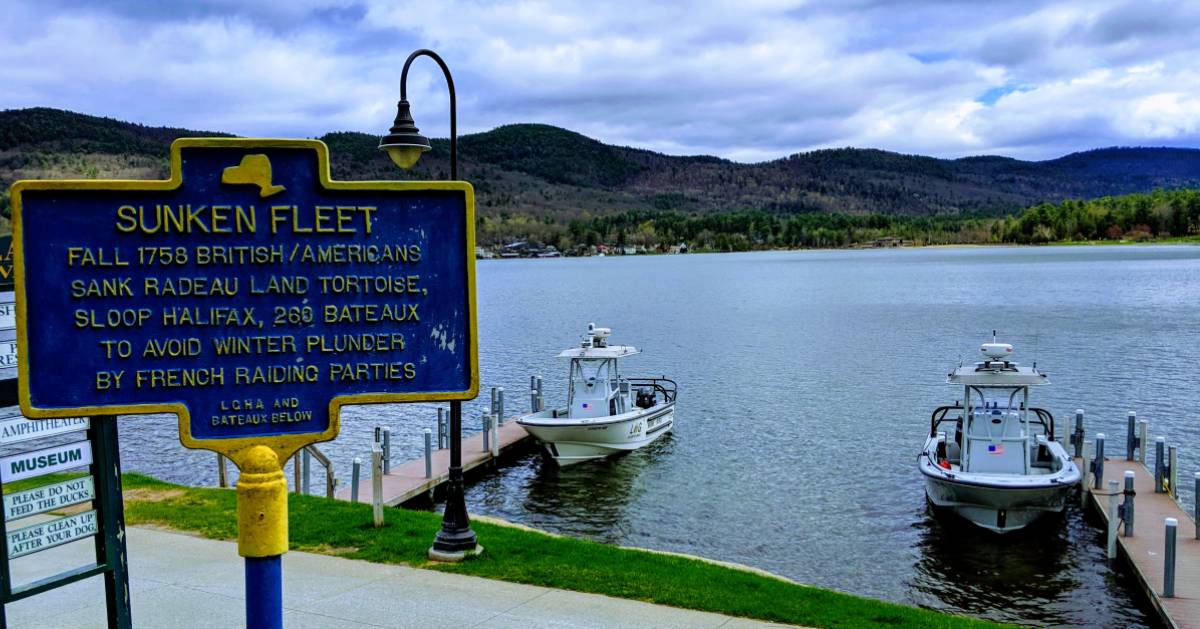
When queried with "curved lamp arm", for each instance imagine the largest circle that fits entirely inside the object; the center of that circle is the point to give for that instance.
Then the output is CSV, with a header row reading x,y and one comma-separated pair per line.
x,y
425,52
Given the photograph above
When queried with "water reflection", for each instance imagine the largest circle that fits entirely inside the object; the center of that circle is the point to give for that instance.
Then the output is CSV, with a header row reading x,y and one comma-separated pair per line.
x,y
587,500
1037,574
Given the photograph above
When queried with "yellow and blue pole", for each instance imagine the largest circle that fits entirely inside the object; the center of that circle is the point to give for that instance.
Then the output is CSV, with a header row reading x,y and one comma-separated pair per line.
x,y
262,534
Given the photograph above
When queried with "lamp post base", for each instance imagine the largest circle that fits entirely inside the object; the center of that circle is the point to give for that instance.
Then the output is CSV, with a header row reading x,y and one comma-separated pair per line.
x,y
453,556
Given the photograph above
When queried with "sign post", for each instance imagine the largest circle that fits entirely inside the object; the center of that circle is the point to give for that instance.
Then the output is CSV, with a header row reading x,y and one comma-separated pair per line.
x,y
252,296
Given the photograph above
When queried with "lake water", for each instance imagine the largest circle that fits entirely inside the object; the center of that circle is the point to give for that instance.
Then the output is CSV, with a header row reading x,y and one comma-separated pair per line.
x,y
806,380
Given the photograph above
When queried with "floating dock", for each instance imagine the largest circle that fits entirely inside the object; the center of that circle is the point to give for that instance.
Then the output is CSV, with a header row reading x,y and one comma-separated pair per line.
x,y
1145,549
407,481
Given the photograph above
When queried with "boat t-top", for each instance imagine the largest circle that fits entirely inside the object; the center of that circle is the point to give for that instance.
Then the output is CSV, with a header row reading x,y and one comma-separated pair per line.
x,y
991,457
606,412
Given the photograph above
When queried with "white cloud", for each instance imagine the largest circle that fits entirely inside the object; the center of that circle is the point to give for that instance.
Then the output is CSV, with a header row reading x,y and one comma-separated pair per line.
x,y
747,80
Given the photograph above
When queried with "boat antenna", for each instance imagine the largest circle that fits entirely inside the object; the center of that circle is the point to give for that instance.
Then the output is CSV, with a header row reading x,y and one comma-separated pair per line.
x,y
1037,333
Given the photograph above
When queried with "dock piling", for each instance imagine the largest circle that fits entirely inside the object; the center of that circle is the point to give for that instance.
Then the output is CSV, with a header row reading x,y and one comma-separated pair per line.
x,y
1113,508
492,408
354,475
428,453
496,432
1127,507
1172,471
1143,430
1098,464
306,458
1077,436
1160,465
486,420
1196,506
1085,470
499,406
1131,440
387,449
441,428
1169,558
222,475
541,394
296,480
377,484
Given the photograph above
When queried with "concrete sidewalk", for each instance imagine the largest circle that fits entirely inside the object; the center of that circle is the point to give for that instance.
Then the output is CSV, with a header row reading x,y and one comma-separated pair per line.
x,y
178,580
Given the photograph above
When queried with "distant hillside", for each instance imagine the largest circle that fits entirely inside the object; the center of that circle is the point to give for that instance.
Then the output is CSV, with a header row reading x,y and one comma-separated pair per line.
x,y
553,175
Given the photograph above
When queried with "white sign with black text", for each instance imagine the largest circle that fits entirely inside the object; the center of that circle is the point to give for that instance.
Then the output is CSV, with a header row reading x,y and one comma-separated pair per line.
x,y
31,539
48,498
45,461
15,429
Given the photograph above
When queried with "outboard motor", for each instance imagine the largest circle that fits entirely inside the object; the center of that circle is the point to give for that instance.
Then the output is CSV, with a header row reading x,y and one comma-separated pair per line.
x,y
646,397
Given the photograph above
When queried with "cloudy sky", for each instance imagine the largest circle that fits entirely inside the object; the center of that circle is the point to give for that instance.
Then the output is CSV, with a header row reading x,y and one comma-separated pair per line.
x,y
743,79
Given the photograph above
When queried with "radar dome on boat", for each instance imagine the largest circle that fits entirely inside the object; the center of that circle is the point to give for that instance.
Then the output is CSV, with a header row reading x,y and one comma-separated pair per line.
x,y
596,337
996,351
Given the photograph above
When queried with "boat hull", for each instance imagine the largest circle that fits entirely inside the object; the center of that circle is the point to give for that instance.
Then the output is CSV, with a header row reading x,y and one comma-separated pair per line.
x,y
1001,510
569,441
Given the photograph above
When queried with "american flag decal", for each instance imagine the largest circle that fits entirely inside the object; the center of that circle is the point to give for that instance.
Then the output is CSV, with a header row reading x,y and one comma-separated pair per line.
x,y
995,448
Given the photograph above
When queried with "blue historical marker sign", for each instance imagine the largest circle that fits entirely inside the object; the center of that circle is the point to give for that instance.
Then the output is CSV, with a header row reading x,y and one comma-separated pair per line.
x,y
248,293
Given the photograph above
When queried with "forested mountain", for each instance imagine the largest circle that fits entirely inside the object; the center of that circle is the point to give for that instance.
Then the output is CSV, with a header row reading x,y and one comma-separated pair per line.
x,y
532,178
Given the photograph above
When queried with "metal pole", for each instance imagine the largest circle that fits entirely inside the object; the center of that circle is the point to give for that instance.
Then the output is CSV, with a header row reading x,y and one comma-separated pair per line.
x,y
1077,438
428,453
1130,437
1169,559
487,431
1143,430
307,459
441,428
1127,507
1173,471
1160,444
494,397
1099,463
499,406
456,535
354,479
533,401
387,450
377,484
264,606
540,394
1112,518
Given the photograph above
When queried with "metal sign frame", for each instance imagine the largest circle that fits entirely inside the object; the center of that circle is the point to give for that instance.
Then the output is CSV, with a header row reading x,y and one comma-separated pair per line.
x,y
236,448
109,539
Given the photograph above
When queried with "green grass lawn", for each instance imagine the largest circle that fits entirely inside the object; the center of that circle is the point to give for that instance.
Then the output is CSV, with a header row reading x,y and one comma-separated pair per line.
x,y
513,554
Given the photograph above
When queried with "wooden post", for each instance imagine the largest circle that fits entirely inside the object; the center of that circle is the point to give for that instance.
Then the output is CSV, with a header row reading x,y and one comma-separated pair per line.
x,y
222,477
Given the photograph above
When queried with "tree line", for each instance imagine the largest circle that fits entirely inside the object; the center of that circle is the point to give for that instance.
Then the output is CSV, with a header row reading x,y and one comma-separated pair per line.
x,y
1158,214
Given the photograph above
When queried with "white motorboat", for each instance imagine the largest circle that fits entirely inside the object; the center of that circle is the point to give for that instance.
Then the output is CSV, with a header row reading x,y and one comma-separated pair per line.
x,y
1001,467
606,413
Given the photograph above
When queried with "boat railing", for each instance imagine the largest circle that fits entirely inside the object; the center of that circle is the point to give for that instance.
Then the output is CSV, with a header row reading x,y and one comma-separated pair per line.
x,y
1041,416
663,385
939,416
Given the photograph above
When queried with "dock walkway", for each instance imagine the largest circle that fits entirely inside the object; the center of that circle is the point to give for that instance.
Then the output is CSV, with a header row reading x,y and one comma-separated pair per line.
x,y
1145,549
407,481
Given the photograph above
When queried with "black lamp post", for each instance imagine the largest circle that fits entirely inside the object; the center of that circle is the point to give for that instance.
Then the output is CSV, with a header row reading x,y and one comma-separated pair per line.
x,y
404,144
